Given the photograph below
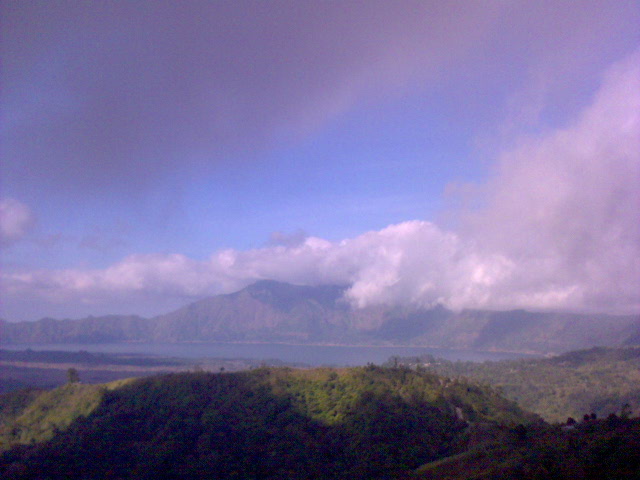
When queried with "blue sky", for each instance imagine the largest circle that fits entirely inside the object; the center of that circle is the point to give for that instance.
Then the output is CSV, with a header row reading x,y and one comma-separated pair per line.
x,y
473,154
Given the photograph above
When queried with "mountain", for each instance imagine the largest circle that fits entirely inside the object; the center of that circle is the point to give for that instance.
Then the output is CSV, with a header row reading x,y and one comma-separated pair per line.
x,y
546,332
105,329
270,311
264,311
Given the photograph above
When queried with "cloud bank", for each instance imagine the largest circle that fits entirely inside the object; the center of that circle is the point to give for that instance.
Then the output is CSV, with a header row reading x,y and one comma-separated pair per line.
x,y
558,229
564,206
409,263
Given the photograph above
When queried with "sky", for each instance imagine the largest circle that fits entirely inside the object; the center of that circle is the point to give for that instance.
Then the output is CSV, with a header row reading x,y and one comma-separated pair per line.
x,y
468,154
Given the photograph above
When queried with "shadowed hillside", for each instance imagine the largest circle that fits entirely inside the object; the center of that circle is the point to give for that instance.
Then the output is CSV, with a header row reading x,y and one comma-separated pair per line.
x,y
607,449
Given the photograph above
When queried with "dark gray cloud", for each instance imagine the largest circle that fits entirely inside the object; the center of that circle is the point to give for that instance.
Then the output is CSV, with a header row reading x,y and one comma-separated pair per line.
x,y
101,96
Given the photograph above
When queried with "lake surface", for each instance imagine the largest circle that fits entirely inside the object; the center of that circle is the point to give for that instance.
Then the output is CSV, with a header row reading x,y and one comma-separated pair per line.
x,y
311,355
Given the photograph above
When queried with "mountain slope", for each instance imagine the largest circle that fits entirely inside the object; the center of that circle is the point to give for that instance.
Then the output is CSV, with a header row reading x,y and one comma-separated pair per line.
x,y
519,330
30,416
266,310
105,329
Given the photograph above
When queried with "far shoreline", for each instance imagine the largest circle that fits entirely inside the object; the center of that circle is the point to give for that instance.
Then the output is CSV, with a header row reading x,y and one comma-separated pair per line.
x,y
96,345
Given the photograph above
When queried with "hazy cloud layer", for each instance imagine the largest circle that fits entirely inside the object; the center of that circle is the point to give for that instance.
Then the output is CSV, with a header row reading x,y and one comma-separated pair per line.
x,y
123,93
16,219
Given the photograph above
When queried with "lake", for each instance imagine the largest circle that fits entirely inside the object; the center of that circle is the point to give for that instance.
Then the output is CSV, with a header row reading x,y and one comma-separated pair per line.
x,y
311,355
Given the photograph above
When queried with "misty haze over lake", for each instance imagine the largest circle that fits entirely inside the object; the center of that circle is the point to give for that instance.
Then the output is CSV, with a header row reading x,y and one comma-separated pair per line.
x,y
311,355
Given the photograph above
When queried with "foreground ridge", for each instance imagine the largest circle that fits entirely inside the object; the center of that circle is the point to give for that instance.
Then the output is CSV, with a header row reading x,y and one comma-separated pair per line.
x,y
364,422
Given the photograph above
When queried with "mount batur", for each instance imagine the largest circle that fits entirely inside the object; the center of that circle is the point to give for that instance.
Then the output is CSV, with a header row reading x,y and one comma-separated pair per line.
x,y
269,311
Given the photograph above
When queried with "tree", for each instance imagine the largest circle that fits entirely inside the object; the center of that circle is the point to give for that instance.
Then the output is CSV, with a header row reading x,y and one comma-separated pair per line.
x,y
626,411
73,376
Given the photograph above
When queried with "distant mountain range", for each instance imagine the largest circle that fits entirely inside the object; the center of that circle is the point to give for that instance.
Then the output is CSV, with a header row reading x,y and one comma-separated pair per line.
x,y
270,311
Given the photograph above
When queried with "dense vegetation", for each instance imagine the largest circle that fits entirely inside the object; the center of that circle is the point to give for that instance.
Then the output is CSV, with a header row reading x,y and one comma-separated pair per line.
x,y
367,422
607,449
281,423
31,415
599,380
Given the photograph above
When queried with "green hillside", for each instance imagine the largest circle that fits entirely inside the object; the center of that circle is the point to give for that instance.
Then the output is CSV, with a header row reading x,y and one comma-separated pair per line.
x,y
30,416
599,380
281,423
367,422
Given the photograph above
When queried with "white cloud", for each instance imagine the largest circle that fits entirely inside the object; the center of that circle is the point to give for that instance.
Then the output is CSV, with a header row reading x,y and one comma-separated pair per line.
x,y
412,262
564,206
16,219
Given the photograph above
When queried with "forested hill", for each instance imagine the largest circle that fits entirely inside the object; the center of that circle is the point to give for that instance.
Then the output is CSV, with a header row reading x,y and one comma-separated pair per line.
x,y
269,311
598,380
360,423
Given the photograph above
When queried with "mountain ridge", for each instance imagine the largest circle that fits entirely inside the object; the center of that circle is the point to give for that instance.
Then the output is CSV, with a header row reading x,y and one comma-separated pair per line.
x,y
277,312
